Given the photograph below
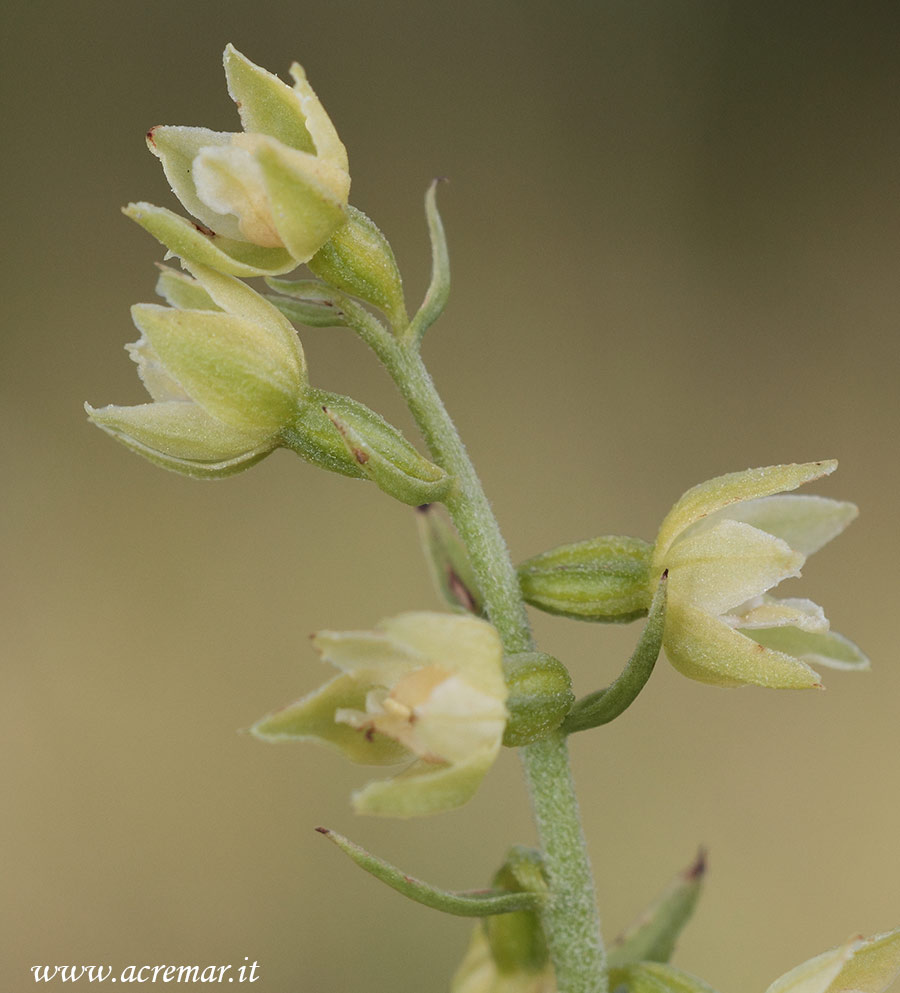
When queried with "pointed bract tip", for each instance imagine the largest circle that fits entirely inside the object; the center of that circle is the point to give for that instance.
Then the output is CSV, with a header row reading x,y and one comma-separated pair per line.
x,y
665,574
697,869
323,830
424,508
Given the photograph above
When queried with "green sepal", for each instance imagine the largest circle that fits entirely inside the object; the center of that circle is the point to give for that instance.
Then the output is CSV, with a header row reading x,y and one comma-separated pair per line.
x,y
189,242
448,561
266,104
653,936
182,291
358,260
439,287
388,459
312,719
517,940
656,977
478,903
180,437
425,788
308,198
607,704
241,371
540,696
604,579
309,302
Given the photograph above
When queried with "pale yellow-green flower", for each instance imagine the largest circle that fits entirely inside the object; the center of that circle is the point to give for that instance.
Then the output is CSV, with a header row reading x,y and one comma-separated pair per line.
x,y
863,965
267,198
225,371
422,688
479,972
725,544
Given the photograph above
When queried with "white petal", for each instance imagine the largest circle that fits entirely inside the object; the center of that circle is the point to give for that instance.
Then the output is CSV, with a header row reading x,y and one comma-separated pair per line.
x,y
770,612
806,523
818,648
458,720
462,644
158,382
725,566
177,147
230,181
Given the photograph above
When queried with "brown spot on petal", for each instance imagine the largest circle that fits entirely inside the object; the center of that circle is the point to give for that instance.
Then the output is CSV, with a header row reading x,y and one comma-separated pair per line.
x,y
204,230
361,457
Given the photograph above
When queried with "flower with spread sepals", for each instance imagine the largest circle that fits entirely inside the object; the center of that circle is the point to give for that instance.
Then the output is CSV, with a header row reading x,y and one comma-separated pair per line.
x,y
225,379
863,965
424,688
725,544
266,199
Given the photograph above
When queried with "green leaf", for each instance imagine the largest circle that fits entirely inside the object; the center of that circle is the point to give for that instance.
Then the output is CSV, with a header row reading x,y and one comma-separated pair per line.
x,y
652,938
479,903
607,704
448,560
439,288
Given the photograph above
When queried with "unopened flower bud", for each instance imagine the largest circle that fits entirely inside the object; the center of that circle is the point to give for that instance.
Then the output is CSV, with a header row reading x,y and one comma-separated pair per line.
x,y
386,457
508,952
604,579
358,260
540,696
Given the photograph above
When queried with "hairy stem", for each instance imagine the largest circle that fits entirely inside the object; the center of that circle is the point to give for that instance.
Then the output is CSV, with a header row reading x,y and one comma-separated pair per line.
x,y
570,918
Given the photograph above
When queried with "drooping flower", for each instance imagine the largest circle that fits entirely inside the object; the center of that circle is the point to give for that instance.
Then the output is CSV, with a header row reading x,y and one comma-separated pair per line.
x,y
725,544
225,371
266,199
422,688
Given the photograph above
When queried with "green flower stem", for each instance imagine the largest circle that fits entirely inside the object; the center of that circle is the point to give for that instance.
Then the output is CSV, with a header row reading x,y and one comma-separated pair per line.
x,y
570,918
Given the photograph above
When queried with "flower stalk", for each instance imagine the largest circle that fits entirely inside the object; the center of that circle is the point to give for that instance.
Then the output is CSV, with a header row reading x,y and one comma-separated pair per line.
x,y
569,916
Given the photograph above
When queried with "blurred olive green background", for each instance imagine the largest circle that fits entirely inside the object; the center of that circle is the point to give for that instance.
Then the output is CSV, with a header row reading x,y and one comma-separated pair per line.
x,y
674,232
